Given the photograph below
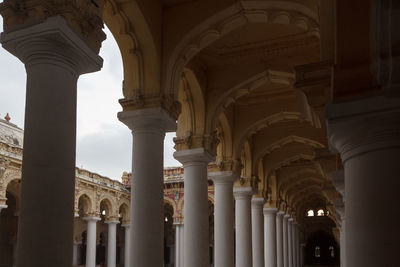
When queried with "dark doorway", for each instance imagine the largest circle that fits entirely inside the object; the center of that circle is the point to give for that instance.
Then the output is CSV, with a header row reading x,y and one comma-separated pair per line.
x,y
322,249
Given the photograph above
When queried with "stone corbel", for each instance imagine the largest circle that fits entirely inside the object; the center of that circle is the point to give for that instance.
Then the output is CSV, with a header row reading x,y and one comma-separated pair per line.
x,y
315,80
191,141
146,101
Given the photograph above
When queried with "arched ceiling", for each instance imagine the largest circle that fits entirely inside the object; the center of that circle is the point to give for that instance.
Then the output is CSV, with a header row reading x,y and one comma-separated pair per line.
x,y
237,61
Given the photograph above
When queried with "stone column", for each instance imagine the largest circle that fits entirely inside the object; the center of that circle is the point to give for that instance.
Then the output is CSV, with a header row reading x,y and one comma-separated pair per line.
x,y
127,250
112,243
195,162
285,237
223,218
91,241
257,230
179,241
293,243
147,212
270,236
290,242
366,134
75,254
296,229
279,239
54,57
243,226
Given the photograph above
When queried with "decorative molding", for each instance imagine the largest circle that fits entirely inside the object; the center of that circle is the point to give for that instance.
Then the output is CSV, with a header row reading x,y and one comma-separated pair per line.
x,y
140,101
82,16
362,126
191,141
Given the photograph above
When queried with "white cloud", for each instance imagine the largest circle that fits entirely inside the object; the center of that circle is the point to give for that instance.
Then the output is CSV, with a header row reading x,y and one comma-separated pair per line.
x,y
104,144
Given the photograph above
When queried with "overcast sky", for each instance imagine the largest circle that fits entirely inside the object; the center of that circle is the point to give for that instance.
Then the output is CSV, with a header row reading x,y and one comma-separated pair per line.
x,y
104,144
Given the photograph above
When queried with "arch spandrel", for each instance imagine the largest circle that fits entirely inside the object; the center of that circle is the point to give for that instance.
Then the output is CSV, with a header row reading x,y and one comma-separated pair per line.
x,y
265,117
190,95
270,139
225,89
287,155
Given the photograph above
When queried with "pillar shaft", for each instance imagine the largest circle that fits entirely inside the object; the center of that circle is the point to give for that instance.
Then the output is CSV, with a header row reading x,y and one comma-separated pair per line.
x,y
270,237
279,239
296,230
112,243
196,228
75,254
366,133
257,230
179,252
243,226
223,218
54,57
127,250
290,243
147,213
285,237
91,241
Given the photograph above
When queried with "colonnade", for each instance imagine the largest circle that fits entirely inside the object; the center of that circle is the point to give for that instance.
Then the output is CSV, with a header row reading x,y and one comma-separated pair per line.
x,y
364,132
91,243
262,234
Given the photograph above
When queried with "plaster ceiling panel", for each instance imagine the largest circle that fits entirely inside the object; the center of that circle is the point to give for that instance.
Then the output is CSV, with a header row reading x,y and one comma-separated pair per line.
x,y
251,36
171,3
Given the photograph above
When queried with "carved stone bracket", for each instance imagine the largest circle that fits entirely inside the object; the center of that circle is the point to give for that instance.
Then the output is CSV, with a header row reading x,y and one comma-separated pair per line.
x,y
191,141
143,101
315,80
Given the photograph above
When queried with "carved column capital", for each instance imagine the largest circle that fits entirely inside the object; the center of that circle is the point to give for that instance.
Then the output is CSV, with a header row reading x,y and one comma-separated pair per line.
x,y
192,141
365,125
140,100
84,17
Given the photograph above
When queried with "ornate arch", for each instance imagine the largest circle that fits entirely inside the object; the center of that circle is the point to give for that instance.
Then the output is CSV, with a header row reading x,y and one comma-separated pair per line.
x,y
230,19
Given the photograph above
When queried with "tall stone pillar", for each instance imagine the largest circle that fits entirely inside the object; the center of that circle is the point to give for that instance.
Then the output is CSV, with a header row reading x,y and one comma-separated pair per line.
x,y
257,230
179,242
223,218
279,239
196,230
285,237
75,254
91,241
147,212
296,250
290,242
293,228
366,134
243,226
54,56
127,250
270,236
112,243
